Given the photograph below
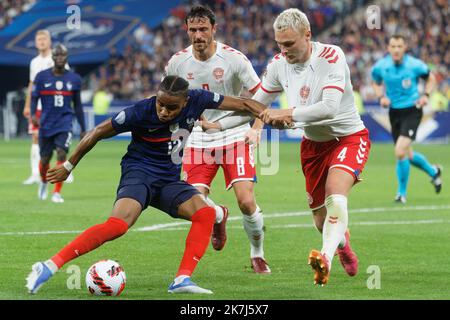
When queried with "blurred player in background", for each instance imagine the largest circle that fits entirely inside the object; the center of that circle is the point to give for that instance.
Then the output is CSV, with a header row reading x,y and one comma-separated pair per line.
x,y
399,74
208,64
41,62
335,147
150,177
56,88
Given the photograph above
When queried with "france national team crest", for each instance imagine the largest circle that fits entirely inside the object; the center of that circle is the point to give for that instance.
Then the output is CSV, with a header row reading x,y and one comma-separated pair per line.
x,y
304,94
59,85
69,86
218,74
190,76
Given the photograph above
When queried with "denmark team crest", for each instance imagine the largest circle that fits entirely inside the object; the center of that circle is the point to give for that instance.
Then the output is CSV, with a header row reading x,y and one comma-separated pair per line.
x,y
218,74
304,94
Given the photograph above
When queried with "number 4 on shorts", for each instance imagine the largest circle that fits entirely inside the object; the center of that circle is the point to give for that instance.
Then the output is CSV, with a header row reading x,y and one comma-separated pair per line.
x,y
342,154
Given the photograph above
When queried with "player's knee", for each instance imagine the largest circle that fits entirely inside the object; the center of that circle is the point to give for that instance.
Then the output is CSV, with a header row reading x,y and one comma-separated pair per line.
x,y
247,204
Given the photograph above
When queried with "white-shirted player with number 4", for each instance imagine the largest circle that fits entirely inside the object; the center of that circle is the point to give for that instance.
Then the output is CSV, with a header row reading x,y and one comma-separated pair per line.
x,y
208,64
335,148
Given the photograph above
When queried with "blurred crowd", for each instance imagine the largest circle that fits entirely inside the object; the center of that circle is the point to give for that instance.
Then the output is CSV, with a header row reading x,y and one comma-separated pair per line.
x,y
9,9
243,24
247,26
425,24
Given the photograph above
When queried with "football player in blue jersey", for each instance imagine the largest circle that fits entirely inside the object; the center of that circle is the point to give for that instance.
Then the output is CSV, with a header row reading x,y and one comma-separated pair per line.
x,y
395,81
151,171
57,89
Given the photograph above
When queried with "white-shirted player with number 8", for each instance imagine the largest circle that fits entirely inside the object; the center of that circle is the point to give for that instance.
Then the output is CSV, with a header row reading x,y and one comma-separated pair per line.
x,y
211,65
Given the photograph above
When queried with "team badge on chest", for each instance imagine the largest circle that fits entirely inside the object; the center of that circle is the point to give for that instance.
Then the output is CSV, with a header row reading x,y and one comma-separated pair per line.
x,y
218,74
59,85
304,94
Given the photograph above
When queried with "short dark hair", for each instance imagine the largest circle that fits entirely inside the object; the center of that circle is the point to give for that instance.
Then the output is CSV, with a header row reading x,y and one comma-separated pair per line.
x,y
201,12
60,49
398,36
174,86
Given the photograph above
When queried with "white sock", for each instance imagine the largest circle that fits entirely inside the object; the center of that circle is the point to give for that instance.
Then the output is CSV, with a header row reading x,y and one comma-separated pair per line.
x,y
35,158
342,243
253,225
51,265
335,224
219,210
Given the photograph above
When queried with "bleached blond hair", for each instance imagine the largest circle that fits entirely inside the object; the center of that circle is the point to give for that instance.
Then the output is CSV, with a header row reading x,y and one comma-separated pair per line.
x,y
44,32
294,19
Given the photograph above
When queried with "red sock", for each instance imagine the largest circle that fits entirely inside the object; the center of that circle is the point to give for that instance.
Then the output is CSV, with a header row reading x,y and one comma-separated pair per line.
x,y
58,185
197,240
90,239
43,171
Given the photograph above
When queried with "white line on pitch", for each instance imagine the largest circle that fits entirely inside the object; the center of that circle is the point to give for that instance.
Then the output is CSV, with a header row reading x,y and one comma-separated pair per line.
x,y
174,225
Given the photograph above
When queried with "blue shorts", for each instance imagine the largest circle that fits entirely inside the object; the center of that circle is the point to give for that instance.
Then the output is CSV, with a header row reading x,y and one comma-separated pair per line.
x,y
151,191
60,140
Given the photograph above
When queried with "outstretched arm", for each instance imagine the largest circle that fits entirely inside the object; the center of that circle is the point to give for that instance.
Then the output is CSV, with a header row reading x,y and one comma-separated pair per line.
x,y
103,131
78,108
250,106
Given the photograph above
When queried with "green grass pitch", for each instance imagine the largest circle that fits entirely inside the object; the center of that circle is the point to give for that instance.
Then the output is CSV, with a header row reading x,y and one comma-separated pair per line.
x,y
407,244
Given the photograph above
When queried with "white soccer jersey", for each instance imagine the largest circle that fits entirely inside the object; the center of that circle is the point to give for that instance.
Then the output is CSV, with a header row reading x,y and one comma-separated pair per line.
x,y
304,84
38,64
227,72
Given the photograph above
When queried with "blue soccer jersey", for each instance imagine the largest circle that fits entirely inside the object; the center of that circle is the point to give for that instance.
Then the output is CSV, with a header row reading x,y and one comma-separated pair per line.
x,y
401,80
57,94
156,147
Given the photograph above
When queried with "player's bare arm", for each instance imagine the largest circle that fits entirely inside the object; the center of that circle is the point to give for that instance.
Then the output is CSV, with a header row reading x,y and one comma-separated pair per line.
x,y
429,86
379,92
103,131
242,104
27,107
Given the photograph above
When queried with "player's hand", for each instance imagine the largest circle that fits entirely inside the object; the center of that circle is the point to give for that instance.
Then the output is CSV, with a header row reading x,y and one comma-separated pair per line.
x,y
385,102
26,112
57,174
209,127
253,136
82,134
422,102
280,119
35,121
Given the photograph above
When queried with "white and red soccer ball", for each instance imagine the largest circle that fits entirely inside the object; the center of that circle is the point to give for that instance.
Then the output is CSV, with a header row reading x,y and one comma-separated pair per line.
x,y
106,278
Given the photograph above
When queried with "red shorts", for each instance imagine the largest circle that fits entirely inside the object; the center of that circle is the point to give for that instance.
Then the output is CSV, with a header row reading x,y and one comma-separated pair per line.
x,y
200,165
349,153
31,127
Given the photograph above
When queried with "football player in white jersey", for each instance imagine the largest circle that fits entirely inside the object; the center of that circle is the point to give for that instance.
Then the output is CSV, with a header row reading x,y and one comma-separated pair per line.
x,y
335,147
211,65
42,61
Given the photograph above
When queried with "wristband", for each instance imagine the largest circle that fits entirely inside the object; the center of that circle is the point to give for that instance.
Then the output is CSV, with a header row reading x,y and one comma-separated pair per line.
x,y
69,167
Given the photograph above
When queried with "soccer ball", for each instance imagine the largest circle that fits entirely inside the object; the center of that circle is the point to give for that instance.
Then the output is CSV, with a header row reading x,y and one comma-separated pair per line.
x,y
106,278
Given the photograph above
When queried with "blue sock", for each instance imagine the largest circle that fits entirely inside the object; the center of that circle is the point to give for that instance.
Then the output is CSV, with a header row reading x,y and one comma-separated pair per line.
x,y
402,176
418,160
